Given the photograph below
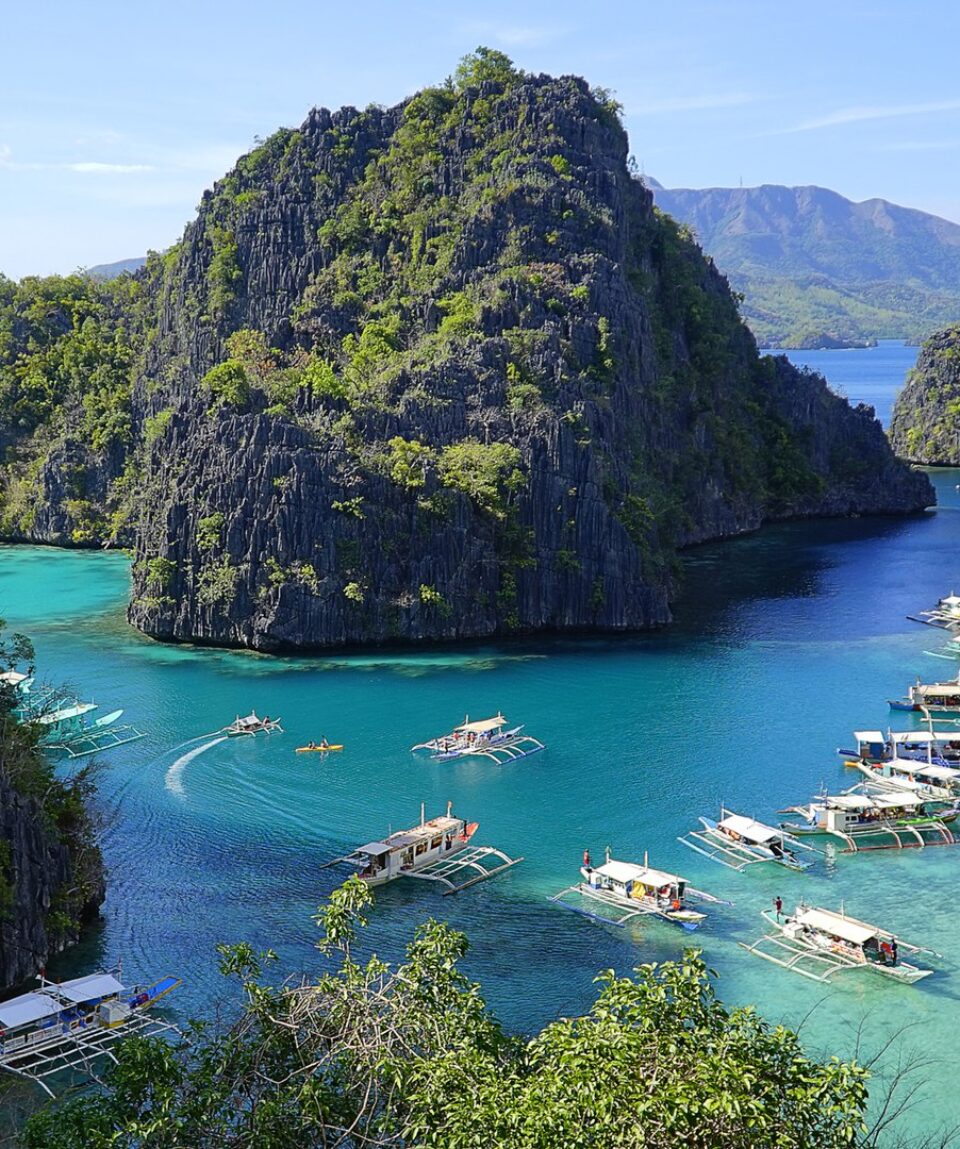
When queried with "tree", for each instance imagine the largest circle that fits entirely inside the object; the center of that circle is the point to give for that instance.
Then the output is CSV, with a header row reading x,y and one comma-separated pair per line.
x,y
368,1055
229,383
485,64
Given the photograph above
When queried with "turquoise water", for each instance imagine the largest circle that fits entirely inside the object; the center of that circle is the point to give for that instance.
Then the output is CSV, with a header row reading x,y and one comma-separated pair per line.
x,y
785,642
871,375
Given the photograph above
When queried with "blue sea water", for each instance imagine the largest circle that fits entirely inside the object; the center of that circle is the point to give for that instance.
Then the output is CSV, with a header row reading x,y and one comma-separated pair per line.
x,y
784,642
871,375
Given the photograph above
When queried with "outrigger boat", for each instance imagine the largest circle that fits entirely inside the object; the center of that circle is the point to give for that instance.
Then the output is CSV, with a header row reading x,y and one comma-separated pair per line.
x,y
67,730
818,943
251,724
945,615
873,821
927,779
485,738
737,842
938,747
627,891
437,850
69,1025
931,698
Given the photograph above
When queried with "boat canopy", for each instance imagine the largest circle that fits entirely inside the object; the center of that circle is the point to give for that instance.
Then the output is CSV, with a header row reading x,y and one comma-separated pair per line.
x,y
87,988
938,689
373,848
950,600
849,929
923,736
927,769
871,801
27,1008
868,736
483,726
631,872
66,714
748,828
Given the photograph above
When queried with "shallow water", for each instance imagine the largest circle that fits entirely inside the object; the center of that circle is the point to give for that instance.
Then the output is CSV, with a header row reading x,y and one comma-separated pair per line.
x,y
785,641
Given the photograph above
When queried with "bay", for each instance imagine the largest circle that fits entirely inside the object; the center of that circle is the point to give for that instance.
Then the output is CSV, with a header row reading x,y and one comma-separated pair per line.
x,y
784,642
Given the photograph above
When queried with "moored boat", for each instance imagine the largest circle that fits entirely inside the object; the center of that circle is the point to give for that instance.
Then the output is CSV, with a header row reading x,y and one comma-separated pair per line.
x,y
931,698
628,890
68,1025
737,842
940,747
874,821
927,779
818,943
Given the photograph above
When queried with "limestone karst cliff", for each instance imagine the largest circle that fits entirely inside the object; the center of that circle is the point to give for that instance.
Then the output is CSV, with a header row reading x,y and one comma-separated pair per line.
x,y
437,371
925,426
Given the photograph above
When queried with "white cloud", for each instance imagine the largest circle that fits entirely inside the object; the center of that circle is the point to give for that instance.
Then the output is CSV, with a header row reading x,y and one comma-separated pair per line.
x,y
689,104
107,169
859,115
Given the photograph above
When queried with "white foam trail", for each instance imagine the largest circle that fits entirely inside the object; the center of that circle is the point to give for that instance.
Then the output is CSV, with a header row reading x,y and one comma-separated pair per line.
x,y
172,780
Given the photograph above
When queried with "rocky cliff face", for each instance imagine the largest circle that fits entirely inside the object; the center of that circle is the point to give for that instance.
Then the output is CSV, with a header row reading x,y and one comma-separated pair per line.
x,y
46,889
925,426
442,371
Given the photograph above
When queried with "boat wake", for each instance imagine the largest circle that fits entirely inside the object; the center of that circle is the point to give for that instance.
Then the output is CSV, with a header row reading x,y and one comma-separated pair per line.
x,y
173,779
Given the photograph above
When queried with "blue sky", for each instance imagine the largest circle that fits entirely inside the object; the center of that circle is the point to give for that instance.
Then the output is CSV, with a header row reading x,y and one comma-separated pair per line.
x,y
114,117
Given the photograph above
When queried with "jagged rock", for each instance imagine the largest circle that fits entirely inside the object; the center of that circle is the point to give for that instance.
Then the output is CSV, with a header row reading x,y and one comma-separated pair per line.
x,y
925,426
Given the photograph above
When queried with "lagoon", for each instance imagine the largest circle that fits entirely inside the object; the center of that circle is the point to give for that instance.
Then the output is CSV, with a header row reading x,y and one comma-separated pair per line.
x,y
784,642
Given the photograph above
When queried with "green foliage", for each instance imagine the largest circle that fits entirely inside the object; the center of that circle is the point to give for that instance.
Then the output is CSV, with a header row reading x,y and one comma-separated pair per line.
x,y
306,574
489,473
373,1054
223,272
155,425
408,461
160,573
352,506
353,592
561,165
461,315
209,531
319,374
229,383
430,596
485,65
217,583
276,575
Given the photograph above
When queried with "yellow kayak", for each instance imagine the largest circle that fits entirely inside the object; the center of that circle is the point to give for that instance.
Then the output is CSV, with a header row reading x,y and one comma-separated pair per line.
x,y
317,749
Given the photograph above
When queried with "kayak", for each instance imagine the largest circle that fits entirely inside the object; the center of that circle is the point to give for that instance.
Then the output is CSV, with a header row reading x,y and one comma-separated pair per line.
x,y
317,749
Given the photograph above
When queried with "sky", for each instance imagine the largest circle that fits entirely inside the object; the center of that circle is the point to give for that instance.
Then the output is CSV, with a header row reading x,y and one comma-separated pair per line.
x,y
115,116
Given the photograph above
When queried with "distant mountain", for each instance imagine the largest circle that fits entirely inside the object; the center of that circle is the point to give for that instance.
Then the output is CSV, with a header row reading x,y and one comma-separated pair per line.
x,y
112,270
819,270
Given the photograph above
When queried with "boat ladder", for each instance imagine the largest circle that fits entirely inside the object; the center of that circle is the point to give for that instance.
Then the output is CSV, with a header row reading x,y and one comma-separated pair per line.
x,y
78,1050
473,859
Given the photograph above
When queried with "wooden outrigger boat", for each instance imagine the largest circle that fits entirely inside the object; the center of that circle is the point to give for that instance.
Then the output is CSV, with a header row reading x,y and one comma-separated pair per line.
x,y
70,1025
251,724
437,850
818,943
929,698
737,842
877,821
627,891
938,747
485,738
927,779
945,615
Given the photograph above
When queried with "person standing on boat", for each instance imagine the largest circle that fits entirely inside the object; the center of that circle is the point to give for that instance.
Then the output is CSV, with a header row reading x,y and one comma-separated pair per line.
x,y
586,859
778,903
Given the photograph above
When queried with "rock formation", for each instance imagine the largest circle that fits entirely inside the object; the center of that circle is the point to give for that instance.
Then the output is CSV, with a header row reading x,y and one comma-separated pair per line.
x,y
925,427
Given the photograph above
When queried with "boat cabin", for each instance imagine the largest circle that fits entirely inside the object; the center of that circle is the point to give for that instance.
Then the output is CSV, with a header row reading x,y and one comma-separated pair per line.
x,y
628,880
841,812
408,850
739,828
859,939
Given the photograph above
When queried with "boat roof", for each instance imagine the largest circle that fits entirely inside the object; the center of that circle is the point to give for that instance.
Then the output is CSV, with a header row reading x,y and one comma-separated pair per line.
x,y
921,736
748,828
87,988
26,1008
483,726
67,713
872,801
929,769
950,600
13,677
403,838
631,872
868,736
838,925
947,689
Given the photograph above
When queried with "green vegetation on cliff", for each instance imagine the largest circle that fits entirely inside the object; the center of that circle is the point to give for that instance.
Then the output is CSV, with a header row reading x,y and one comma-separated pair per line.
x,y
408,1055
449,345
925,426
